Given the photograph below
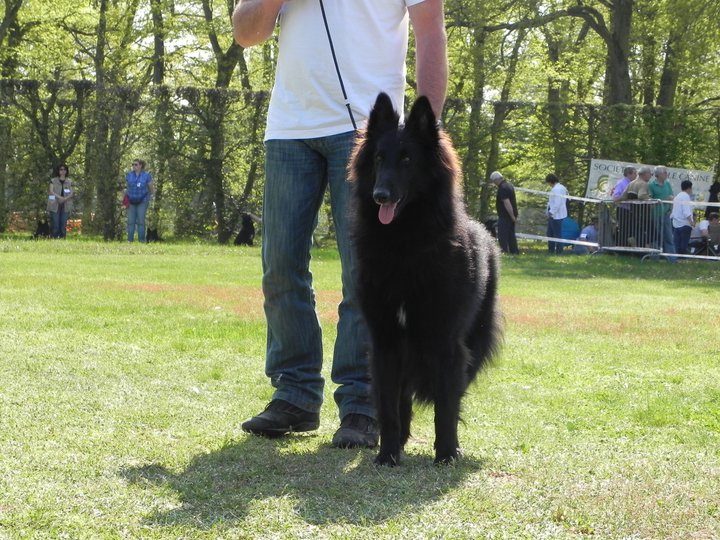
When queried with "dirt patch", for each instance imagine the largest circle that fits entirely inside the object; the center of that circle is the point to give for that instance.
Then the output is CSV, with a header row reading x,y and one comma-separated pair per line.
x,y
245,302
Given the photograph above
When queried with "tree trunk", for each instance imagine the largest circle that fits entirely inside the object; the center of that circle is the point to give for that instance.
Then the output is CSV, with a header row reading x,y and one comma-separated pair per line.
x,y
501,111
618,57
471,166
563,151
163,126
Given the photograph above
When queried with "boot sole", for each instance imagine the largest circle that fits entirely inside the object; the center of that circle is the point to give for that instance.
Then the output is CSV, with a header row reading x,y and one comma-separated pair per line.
x,y
284,430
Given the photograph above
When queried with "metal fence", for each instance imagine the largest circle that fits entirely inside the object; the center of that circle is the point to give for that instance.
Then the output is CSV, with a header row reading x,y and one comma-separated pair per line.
x,y
632,227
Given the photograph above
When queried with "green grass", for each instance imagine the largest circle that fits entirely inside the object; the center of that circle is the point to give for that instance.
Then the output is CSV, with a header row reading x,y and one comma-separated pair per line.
x,y
126,370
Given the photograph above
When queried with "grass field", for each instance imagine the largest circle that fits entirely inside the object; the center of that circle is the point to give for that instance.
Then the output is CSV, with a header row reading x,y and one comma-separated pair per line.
x,y
126,370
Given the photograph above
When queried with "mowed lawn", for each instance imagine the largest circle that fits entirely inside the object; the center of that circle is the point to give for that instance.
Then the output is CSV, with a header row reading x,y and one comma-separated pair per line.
x,y
126,370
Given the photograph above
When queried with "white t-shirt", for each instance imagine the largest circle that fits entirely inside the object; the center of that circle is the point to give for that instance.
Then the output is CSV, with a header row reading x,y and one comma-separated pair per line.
x,y
681,213
557,204
697,231
370,39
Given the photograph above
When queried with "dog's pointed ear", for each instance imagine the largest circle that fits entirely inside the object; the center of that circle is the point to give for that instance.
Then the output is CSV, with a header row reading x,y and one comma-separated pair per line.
x,y
422,120
383,116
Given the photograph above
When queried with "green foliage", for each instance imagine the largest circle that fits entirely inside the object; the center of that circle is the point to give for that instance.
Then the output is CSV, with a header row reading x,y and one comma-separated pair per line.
x,y
548,60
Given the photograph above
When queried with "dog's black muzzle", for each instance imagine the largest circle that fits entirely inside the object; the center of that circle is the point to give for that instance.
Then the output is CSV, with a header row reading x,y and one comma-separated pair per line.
x,y
381,195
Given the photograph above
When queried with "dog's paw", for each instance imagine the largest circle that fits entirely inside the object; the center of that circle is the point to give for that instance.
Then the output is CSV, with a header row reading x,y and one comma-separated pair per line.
x,y
387,459
448,458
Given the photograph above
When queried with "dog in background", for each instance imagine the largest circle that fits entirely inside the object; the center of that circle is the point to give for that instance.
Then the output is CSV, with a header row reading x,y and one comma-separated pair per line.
x,y
427,275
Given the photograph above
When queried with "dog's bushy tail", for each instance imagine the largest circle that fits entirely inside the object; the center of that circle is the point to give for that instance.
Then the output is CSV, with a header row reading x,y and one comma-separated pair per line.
x,y
486,341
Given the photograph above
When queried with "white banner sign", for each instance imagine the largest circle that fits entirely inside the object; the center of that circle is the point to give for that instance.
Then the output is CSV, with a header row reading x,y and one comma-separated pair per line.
x,y
604,174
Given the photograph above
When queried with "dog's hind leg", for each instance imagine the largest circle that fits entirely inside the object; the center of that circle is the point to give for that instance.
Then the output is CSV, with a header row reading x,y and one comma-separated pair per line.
x,y
405,415
449,390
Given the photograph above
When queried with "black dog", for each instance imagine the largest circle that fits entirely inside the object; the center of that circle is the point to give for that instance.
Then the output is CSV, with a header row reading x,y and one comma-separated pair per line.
x,y
42,230
427,275
247,231
152,235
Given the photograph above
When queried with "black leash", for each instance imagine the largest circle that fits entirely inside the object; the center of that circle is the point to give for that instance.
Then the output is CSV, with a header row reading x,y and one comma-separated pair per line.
x,y
337,68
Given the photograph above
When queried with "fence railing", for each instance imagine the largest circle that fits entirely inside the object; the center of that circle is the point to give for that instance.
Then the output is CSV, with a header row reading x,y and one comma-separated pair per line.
x,y
633,226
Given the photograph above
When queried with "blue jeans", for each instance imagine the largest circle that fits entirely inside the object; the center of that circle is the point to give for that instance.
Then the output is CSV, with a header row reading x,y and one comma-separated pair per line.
x,y
136,216
682,238
58,224
666,232
554,230
297,173
506,235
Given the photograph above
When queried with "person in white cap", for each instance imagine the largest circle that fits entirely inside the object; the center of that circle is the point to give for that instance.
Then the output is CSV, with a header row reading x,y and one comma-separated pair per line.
x,y
506,208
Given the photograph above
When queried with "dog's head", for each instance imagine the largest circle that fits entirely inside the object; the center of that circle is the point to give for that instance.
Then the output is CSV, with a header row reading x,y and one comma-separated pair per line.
x,y
401,162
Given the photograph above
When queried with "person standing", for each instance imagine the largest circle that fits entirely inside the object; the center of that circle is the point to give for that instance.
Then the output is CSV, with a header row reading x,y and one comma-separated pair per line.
x,y
310,133
682,217
623,208
556,213
139,189
60,201
662,190
507,212
640,221
713,198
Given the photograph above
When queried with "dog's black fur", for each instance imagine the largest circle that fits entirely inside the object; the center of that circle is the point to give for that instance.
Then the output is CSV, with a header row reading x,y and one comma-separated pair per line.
x,y
42,230
152,235
246,235
427,275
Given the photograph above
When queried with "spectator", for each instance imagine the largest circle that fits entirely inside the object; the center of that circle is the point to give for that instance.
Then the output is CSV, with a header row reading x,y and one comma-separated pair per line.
x,y
506,208
140,187
309,136
714,231
629,174
589,233
638,188
623,208
556,212
661,190
640,219
700,235
60,201
713,198
570,229
682,217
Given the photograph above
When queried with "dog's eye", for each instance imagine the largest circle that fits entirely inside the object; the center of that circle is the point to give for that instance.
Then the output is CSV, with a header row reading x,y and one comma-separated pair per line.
x,y
405,160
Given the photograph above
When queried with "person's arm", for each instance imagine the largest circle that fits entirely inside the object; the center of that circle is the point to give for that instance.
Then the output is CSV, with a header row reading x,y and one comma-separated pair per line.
x,y
509,208
617,195
688,211
431,64
151,185
254,20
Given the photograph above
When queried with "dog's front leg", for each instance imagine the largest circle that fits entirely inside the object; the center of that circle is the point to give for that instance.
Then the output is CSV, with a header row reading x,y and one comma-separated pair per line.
x,y
386,384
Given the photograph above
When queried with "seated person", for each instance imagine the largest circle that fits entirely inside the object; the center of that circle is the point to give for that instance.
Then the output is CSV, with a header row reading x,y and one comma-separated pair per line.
x,y
588,234
569,229
699,236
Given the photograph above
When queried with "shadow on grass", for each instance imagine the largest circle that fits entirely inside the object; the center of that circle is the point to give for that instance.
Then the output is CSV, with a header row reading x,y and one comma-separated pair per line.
x,y
323,487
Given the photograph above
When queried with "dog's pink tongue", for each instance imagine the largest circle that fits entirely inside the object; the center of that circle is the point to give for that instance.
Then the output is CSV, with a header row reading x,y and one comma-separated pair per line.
x,y
386,213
